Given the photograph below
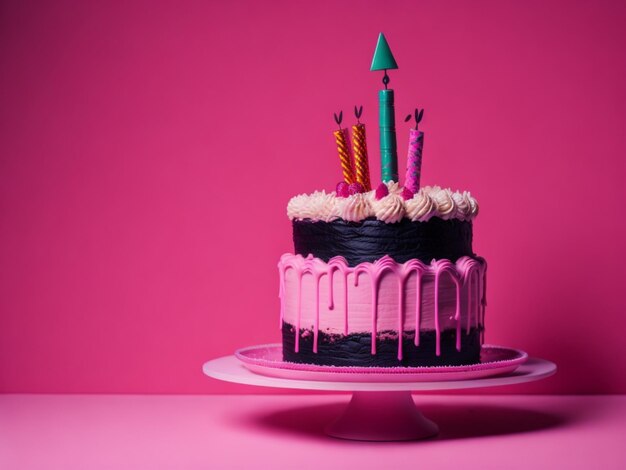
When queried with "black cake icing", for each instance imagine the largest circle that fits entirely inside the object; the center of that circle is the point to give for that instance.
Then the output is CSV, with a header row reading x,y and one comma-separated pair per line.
x,y
371,239
355,349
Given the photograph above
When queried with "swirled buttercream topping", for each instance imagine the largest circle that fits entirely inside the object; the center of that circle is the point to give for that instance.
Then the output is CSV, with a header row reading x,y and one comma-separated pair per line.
x,y
318,206
299,207
357,207
429,201
462,206
446,208
473,203
420,207
390,209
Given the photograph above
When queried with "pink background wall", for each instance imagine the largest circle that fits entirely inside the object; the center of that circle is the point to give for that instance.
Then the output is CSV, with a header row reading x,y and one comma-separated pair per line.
x,y
148,152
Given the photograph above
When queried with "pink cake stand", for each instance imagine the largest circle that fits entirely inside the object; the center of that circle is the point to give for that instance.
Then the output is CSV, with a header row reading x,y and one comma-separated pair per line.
x,y
378,410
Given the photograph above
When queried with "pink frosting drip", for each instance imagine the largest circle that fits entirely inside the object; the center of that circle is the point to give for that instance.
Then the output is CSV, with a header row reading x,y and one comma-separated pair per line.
x,y
468,275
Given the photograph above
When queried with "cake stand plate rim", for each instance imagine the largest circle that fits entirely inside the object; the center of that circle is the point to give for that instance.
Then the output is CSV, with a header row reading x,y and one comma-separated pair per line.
x,y
506,360
231,369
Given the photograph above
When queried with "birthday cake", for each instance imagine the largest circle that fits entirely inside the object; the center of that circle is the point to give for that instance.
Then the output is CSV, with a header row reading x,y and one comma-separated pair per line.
x,y
386,276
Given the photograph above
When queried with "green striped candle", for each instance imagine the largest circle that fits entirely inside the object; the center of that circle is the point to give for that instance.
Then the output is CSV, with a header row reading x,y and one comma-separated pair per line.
x,y
388,143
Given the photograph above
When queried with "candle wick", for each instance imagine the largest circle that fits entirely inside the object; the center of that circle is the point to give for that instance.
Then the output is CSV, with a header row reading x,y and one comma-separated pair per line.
x,y
338,118
357,113
386,79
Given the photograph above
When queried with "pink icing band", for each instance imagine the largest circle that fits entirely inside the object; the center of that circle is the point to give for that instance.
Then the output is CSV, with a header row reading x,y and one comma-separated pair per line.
x,y
464,296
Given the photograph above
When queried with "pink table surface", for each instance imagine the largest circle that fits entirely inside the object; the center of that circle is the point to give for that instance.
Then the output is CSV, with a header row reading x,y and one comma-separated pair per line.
x,y
278,431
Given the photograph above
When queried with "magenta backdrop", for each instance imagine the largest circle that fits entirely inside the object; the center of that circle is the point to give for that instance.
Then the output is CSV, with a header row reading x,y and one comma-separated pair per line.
x,y
148,151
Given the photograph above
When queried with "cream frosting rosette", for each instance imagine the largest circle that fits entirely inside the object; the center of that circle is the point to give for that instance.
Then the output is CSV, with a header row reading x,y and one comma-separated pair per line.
x,y
462,206
445,206
420,207
356,208
390,209
473,204
324,206
299,207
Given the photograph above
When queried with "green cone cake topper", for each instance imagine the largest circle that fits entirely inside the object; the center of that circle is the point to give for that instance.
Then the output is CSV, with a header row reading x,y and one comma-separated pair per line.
x,y
383,58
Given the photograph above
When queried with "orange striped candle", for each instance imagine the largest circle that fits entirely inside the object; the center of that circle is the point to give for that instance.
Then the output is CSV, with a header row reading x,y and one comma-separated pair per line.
x,y
341,138
359,145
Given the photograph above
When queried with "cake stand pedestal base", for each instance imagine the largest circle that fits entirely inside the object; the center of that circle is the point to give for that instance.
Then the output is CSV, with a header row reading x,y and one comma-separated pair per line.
x,y
382,416
380,410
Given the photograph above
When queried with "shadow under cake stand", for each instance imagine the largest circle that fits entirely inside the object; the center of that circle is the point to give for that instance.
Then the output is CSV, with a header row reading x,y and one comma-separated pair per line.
x,y
381,408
